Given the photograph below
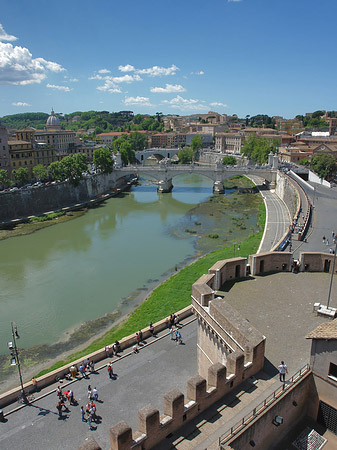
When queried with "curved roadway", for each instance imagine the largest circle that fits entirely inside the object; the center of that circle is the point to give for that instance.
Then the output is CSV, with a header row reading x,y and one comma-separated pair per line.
x,y
277,218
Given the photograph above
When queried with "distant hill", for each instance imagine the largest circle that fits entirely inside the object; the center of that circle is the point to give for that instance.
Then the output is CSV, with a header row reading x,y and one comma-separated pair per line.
x,y
101,121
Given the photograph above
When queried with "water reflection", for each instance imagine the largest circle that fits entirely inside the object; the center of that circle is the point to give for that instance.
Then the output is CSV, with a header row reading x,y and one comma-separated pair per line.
x,y
63,275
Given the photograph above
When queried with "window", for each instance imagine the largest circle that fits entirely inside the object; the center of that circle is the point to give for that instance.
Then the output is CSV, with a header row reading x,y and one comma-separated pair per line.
x,y
333,371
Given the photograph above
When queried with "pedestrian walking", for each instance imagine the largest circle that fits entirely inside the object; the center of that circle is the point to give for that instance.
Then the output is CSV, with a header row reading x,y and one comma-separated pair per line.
x,y
179,338
151,328
107,351
176,321
82,370
140,334
167,322
90,395
59,408
283,369
71,397
172,334
59,392
135,348
83,414
323,239
89,421
138,338
95,393
92,366
110,371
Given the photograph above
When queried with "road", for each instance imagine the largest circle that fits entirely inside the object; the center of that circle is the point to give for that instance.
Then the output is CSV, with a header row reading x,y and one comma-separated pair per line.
x,y
142,378
324,219
277,217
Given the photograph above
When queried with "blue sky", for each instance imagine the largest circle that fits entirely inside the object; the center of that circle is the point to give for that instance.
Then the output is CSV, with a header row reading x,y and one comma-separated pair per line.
x,y
177,57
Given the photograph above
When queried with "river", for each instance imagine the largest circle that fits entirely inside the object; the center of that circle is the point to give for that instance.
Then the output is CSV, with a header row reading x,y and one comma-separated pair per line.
x,y
55,279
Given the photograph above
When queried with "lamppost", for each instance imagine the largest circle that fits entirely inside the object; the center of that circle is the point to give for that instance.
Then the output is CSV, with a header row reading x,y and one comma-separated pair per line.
x,y
15,361
332,272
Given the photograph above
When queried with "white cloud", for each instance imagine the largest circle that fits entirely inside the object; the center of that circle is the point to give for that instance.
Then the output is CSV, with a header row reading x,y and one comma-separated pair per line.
x,y
104,71
96,77
53,67
155,71
109,86
141,101
5,36
201,72
169,88
126,79
58,88
21,104
127,68
181,103
219,104
18,67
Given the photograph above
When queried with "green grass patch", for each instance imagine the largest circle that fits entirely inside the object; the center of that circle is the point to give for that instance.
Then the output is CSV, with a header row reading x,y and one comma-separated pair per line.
x,y
172,295
45,217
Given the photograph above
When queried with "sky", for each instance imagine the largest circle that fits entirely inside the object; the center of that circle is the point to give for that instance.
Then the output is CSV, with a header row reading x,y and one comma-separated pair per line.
x,y
179,57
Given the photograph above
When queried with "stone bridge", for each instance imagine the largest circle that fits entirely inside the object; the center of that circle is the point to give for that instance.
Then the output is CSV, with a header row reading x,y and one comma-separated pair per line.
x,y
159,153
164,173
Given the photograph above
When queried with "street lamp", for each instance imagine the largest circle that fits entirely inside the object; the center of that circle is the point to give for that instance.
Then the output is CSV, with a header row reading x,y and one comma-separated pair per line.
x,y
15,361
332,272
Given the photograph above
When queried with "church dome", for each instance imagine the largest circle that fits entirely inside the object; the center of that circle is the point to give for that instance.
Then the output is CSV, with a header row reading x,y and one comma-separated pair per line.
x,y
53,121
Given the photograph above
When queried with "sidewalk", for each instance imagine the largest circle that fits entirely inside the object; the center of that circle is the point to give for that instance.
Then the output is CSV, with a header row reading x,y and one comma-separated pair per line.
x,y
51,389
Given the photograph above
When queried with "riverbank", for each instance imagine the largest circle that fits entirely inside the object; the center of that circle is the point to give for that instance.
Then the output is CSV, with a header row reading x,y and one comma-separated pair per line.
x,y
35,358
23,228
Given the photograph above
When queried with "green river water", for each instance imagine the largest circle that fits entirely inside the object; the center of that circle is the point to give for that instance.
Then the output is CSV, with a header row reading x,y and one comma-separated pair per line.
x,y
54,280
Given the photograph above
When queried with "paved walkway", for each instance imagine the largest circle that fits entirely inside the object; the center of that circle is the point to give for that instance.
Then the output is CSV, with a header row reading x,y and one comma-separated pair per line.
x,y
141,378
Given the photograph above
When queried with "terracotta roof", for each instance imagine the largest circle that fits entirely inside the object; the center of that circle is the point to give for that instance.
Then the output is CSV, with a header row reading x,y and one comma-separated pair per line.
x,y
326,330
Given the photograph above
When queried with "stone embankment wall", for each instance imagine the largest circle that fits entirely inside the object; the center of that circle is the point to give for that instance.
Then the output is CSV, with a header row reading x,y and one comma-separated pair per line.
x,y
288,193
27,202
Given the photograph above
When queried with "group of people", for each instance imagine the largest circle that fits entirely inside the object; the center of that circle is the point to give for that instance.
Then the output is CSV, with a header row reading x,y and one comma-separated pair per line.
x,y
176,336
85,368
172,320
62,397
89,413
114,349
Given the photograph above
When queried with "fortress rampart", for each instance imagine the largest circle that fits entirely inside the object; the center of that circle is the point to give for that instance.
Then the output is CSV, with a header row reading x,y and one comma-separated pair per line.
x,y
229,350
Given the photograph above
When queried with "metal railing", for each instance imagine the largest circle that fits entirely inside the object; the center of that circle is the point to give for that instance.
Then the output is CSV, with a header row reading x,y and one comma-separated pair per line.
x,y
261,407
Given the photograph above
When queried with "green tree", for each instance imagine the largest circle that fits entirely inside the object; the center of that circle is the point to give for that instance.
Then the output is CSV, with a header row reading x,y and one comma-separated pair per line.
x,y
55,170
103,160
4,179
21,175
186,155
324,165
258,148
138,141
40,172
229,160
73,166
127,152
196,143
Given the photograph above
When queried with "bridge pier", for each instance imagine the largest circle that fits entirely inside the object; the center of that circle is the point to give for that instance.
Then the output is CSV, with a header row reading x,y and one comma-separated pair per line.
x,y
218,187
165,185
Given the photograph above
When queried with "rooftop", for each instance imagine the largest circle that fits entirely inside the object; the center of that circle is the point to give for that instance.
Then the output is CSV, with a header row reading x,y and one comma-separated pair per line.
x,y
326,330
